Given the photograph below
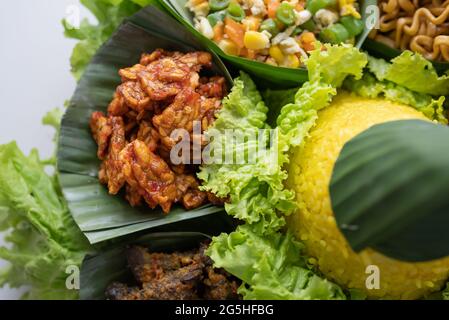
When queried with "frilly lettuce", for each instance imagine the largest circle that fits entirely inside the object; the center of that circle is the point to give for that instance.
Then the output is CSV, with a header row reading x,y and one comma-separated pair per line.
x,y
411,71
268,261
43,239
255,188
327,71
370,87
271,267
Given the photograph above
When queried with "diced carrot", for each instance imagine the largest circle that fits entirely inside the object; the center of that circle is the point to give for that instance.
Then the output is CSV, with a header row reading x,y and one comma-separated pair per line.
x,y
308,41
218,32
299,7
272,6
248,53
235,31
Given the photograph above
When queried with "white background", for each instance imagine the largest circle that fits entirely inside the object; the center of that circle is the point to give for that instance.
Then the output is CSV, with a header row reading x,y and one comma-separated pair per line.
x,y
34,61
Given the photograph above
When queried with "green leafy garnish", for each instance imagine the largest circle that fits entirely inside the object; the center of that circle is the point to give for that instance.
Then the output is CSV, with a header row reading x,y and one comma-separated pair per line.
x,y
42,238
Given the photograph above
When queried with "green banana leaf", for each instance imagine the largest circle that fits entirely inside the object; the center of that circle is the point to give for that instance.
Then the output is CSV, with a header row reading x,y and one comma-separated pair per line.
x,y
99,215
389,190
100,270
381,50
266,76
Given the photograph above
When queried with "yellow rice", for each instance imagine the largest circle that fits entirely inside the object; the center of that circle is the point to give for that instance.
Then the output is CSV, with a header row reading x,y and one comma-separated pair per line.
x,y
314,223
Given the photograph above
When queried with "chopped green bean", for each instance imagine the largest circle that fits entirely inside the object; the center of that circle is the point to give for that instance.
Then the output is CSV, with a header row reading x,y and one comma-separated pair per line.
x,y
235,11
353,26
216,17
314,5
309,25
270,26
335,34
285,14
217,5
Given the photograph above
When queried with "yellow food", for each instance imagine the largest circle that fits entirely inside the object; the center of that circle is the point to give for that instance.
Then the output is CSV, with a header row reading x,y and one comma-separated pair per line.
x,y
229,47
256,40
276,54
314,223
291,61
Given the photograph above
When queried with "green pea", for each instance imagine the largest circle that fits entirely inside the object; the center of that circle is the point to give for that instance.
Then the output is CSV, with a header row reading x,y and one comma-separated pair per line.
x,y
309,25
217,5
314,5
236,12
270,26
216,17
353,26
285,14
334,34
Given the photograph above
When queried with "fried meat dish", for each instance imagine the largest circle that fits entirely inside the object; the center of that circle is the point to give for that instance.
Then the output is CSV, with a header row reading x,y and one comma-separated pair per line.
x,y
157,97
176,276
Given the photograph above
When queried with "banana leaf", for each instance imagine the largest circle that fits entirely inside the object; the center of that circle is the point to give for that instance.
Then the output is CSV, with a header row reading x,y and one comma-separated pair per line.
x,y
381,50
266,76
389,190
100,270
99,215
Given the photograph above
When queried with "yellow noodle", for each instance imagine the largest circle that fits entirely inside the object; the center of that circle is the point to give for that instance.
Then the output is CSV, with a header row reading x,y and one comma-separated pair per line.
x,y
418,25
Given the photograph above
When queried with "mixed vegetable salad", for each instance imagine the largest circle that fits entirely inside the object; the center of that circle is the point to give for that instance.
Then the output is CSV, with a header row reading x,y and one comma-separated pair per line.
x,y
280,33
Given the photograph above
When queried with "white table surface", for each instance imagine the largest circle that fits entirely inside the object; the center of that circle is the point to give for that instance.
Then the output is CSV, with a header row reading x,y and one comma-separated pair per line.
x,y
34,59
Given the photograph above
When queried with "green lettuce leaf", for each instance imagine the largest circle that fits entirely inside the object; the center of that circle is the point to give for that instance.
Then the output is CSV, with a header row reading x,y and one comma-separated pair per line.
x,y
412,71
332,65
255,188
42,238
327,71
370,87
270,266
109,15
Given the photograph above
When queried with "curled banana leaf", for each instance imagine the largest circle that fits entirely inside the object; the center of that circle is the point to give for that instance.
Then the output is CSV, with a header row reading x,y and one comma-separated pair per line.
x,y
99,215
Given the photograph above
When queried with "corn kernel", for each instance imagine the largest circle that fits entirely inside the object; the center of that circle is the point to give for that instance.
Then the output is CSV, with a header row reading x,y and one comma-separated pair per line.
x,y
276,54
229,47
251,23
255,40
349,10
291,61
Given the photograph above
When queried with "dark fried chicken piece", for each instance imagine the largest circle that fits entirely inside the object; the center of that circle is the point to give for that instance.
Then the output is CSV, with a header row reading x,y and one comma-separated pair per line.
x,y
218,286
147,266
179,276
149,175
120,291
